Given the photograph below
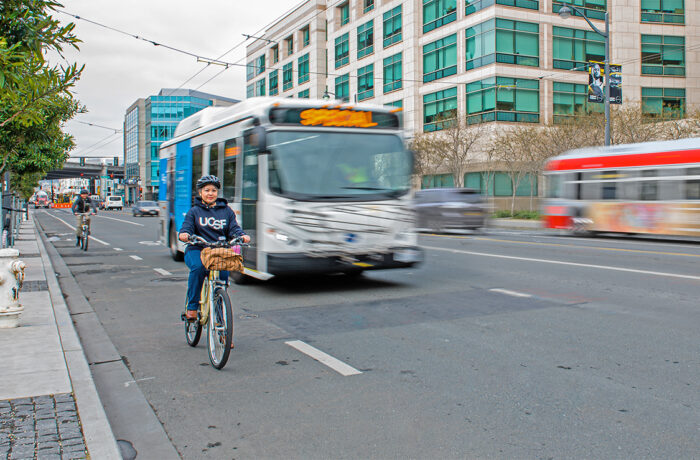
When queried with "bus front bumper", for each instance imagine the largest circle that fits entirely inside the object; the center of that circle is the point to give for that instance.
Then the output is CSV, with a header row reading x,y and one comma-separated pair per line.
x,y
299,263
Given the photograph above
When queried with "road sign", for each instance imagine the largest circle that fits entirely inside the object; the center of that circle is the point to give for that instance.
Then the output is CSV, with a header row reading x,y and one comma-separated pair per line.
x,y
597,81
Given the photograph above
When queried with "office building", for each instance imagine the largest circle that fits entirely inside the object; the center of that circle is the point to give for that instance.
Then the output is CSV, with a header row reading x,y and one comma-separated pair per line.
x,y
148,123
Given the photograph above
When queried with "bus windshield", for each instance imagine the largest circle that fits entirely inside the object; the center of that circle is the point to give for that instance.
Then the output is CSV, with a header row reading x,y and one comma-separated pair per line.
x,y
332,166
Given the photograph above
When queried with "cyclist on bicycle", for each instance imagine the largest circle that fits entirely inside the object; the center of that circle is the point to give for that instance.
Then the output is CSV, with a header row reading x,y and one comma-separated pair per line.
x,y
82,205
211,219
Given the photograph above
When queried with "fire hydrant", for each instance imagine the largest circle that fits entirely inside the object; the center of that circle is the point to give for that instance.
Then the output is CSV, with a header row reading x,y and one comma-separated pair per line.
x,y
11,279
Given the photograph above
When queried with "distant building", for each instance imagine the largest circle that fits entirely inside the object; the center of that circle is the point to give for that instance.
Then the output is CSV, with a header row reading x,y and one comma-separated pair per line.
x,y
147,124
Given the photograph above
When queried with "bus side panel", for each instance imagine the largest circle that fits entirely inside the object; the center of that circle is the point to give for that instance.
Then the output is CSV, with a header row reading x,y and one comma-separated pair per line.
x,y
183,182
163,180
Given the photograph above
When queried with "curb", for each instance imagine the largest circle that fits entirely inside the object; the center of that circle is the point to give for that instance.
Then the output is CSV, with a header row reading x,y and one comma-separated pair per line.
x,y
99,439
519,224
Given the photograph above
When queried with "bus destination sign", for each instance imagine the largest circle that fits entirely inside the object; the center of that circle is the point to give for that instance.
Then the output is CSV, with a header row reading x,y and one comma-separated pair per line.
x,y
334,117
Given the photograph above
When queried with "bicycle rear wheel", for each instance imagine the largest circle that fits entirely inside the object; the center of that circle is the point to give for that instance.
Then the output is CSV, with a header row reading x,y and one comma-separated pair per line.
x,y
220,328
193,331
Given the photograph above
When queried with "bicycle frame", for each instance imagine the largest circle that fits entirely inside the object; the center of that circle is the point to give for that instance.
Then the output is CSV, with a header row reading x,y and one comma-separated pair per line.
x,y
206,298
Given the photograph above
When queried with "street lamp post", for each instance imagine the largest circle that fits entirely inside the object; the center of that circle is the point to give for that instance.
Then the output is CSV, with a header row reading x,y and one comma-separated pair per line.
x,y
564,13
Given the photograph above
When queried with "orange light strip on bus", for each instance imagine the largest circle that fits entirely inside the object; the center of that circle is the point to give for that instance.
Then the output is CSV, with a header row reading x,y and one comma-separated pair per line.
x,y
335,117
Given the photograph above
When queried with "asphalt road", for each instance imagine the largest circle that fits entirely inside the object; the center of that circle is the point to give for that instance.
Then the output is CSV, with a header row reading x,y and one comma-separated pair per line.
x,y
501,345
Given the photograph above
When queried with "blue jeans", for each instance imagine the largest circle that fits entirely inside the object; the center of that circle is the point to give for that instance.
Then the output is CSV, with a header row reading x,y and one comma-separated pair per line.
x,y
198,273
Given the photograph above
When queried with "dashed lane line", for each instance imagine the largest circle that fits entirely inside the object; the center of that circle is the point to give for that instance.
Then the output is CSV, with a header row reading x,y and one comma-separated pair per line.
x,y
118,249
73,227
510,293
323,358
136,257
162,271
573,264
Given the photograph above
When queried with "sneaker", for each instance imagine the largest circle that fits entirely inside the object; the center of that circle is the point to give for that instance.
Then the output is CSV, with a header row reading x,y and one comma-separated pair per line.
x,y
77,241
191,315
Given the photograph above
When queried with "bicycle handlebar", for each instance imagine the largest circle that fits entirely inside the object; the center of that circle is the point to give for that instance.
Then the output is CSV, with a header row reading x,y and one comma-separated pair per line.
x,y
199,241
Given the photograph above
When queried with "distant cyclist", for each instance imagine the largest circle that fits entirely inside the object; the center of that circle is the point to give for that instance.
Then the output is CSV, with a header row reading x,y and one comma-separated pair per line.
x,y
81,206
211,219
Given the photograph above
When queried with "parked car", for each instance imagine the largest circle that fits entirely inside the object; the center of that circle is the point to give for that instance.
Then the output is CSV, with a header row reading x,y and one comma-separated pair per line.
x,y
114,202
145,208
443,209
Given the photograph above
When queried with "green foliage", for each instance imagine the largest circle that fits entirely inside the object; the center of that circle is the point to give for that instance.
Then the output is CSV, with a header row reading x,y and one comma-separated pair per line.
x,y
35,96
503,214
24,184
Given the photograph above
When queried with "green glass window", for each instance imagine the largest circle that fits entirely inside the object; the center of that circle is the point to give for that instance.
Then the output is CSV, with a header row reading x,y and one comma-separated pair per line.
x,y
392,26
500,183
260,65
368,5
365,39
392,73
438,181
365,82
344,13
342,50
250,71
663,55
572,49
305,36
398,103
669,11
304,94
287,76
503,99
439,107
303,69
472,6
570,99
437,13
503,40
290,45
260,87
274,82
342,87
663,103
275,54
250,91
440,58
593,9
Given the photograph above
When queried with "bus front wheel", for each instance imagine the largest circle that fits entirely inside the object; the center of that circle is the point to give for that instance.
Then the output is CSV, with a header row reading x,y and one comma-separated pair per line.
x,y
174,252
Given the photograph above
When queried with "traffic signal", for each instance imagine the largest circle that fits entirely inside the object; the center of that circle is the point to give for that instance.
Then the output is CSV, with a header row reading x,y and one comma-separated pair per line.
x,y
82,162
116,161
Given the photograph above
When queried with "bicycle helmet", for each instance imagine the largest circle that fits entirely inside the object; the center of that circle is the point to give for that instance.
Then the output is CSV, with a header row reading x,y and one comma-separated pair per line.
x,y
83,192
207,180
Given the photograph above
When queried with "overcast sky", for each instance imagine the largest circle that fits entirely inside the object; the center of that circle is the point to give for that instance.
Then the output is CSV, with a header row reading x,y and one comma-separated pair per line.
x,y
120,69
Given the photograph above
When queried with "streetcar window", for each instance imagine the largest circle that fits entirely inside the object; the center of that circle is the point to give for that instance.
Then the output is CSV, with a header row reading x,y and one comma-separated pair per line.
x,y
692,186
214,160
590,188
609,188
650,187
554,186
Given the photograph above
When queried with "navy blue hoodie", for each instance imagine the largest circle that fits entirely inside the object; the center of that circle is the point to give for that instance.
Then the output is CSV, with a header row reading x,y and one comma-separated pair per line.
x,y
211,222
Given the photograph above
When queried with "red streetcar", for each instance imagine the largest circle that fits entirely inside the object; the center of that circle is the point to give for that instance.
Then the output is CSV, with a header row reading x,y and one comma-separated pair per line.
x,y
646,188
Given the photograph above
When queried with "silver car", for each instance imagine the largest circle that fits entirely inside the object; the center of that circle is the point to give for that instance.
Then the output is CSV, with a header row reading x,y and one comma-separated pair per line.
x,y
444,209
146,208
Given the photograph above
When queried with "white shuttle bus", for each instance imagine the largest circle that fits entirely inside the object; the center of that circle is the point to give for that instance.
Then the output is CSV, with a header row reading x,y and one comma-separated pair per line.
x,y
320,186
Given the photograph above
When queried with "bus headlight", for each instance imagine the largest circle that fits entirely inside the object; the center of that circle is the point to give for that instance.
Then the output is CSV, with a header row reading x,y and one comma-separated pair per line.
x,y
280,236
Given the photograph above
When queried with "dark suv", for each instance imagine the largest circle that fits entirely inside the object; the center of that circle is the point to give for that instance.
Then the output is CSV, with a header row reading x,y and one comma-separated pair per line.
x,y
441,209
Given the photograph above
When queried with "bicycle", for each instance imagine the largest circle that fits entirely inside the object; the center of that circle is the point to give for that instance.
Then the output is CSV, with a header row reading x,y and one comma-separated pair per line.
x,y
215,310
83,237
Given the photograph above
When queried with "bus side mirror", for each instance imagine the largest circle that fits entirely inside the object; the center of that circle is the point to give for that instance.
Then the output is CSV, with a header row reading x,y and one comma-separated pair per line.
x,y
260,139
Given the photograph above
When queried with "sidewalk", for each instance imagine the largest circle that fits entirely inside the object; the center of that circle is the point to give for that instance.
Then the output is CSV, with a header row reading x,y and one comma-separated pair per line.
x,y
49,407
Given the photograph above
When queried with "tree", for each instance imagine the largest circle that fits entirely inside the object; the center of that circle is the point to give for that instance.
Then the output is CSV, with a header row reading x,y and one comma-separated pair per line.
x,y
453,147
35,96
518,150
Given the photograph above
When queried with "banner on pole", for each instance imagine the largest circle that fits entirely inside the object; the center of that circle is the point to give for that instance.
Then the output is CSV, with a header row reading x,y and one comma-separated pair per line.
x,y
597,81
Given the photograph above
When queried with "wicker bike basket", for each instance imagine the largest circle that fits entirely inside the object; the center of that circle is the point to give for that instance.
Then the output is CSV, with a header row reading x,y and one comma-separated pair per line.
x,y
222,259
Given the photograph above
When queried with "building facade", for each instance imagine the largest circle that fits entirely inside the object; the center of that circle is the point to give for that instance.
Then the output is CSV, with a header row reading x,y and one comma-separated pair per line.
x,y
147,124
501,62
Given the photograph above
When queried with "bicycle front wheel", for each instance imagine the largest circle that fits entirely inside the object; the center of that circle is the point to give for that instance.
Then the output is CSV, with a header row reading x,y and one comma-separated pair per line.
x,y
84,242
220,328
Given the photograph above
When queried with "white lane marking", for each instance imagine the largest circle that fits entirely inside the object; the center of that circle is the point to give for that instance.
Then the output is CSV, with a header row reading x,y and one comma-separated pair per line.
x,y
323,358
120,220
73,227
126,384
573,264
162,271
150,243
511,293
118,249
136,257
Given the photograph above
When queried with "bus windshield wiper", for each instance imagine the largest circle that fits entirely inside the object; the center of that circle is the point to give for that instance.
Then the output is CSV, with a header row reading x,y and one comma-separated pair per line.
x,y
368,188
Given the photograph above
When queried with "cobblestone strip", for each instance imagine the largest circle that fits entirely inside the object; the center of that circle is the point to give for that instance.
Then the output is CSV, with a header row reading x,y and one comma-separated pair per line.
x,y
42,428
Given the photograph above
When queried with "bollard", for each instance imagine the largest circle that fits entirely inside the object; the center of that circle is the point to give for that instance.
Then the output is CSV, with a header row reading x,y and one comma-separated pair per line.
x,y
11,279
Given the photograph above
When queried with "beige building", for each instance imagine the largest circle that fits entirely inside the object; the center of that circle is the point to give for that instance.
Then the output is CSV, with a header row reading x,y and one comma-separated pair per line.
x,y
493,61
